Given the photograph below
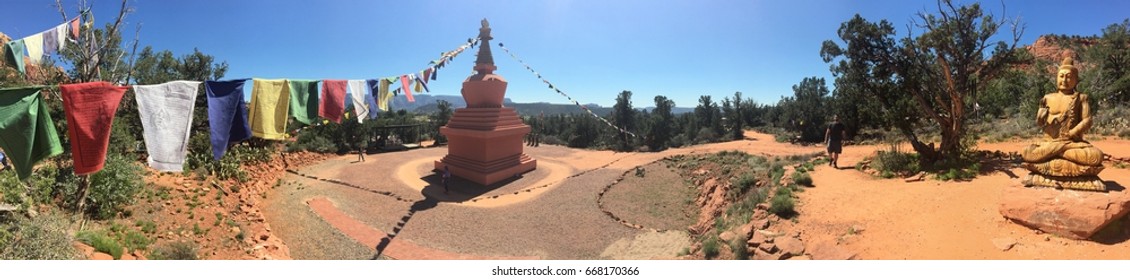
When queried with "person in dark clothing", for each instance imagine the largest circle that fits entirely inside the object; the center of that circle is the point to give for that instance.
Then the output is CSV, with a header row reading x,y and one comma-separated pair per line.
x,y
834,137
446,178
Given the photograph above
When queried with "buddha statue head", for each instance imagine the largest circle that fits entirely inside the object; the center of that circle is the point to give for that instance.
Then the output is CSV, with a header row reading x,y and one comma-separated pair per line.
x,y
1067,77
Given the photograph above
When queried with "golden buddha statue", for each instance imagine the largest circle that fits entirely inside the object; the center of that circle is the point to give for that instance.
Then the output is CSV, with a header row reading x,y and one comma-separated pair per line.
x,y
1064,159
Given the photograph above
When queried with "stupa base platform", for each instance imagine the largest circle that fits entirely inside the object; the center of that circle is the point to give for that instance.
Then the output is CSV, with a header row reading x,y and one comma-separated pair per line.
x,y
487,173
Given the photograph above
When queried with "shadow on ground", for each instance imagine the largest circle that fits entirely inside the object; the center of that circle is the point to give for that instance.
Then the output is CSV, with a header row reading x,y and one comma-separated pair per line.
x,y
418,206
459,190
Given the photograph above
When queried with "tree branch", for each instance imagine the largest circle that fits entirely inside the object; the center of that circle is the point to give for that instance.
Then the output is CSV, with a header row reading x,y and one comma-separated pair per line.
x,y
63,12
136,38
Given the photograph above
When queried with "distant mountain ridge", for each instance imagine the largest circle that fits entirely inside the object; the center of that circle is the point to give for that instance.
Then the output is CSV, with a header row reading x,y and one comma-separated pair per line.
x,y
426,104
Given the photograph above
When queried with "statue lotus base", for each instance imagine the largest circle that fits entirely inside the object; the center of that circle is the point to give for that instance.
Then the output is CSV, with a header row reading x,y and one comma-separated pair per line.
x,y
1087,183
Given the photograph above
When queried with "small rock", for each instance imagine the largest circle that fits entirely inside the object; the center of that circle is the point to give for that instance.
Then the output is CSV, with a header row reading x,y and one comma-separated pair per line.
x,y
828,250
769,234
768,256
746,230
768,247
800,258
916,178
264,237
757,238
102,256
762,206
86,250
1004,243
761,223
726,236
790,246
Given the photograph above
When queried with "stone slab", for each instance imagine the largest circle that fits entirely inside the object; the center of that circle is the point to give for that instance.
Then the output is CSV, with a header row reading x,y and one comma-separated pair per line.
x,y
1067,213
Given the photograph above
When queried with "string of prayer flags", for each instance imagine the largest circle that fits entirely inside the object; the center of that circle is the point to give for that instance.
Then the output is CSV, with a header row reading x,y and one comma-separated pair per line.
x,y
90,109
166,121
333,100
268,112
304,106
227,114
37,45
27,133
558,90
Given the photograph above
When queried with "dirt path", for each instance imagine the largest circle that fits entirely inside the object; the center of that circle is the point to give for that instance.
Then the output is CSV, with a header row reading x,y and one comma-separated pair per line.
x,y
551,213
894,219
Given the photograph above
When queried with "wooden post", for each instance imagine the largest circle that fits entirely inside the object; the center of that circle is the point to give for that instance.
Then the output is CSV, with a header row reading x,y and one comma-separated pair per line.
x,y
83,186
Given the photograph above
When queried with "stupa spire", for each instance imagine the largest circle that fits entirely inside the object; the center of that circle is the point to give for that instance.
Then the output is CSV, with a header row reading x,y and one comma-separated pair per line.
x,y
484,58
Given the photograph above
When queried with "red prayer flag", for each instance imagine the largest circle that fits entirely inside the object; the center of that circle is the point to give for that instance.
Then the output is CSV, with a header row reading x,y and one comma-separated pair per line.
x,y
74,28
404,84
90,109
332,105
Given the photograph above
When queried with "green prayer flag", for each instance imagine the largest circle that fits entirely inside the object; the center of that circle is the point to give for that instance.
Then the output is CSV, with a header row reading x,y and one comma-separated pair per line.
x,y
304,100
16,50
27,133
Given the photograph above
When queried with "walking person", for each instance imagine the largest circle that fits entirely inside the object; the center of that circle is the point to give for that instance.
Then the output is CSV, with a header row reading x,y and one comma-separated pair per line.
x,y
361,141
834,137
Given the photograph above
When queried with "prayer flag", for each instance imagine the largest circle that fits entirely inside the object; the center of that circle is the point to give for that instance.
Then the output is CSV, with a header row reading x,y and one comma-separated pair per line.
x,y
304,105
27,133
90,109
333,100
269,105
166,121
227,114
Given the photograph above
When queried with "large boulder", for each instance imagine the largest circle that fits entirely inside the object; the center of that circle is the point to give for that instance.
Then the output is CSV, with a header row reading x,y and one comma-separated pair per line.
x,y
1067,213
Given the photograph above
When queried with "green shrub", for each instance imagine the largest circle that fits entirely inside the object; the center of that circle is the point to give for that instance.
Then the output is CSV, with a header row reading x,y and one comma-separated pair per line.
x,y
802,178
897,163
135,240
147,226
784,191
782,205
174,251
710,247
44,237
740,249
46,183
114,187
742,211
741,184
312,142
200,160
101,243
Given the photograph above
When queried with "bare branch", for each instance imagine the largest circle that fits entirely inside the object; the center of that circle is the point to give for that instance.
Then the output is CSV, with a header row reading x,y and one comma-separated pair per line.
x,y
62,12
136,38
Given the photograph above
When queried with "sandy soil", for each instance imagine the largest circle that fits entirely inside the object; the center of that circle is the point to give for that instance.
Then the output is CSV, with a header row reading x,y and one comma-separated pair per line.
x,y
937,220
552,213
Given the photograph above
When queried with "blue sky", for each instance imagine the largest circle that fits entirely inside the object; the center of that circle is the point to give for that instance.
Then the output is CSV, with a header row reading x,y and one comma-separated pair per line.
x,y
590,49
